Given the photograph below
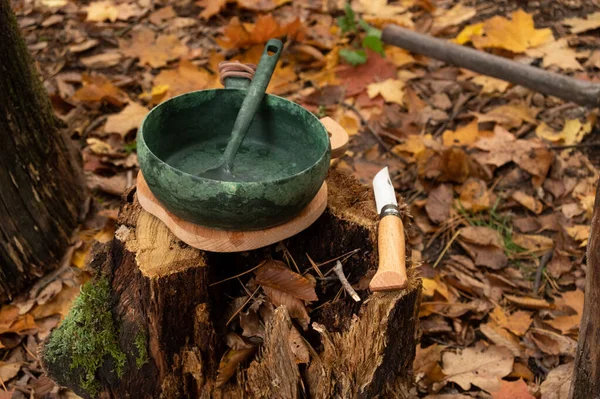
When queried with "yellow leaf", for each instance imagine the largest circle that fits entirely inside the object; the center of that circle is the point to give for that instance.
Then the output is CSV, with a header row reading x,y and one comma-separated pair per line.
x,y
431,286
510,115
398,56
516,35
187,77
533,243
580,232
528,202
128,119
490,85
464,135
557,53
392,90
348,120
572,133
579,25
454,16
379,13
102,10
414,144
466,35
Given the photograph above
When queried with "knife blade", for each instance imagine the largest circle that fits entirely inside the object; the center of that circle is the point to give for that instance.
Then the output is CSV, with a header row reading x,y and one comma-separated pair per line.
x,y
391,272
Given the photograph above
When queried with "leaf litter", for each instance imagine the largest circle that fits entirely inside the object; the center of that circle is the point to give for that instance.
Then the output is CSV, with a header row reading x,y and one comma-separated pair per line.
x,y
485,166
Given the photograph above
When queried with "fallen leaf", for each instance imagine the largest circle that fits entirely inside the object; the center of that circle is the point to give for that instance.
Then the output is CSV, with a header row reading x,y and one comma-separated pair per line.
x,y
480,366
235,342
559,265
102,10
439,203
379,13
298,346
295,306
456,15
533,243
103,60
150,50
529,303
557,53
277,275
558,382
517,34
580,232
187,77
129,10
572,133
211,7
431,286
579,25
510,116
161,15
501,337
229,362
464,135
468,33
8,371
474,195
572,299
261,5
392,90
398,56
490,85
427,362
356,79
521,371
128,119
552,343
481,235
513,390
518,322
238,35
98,88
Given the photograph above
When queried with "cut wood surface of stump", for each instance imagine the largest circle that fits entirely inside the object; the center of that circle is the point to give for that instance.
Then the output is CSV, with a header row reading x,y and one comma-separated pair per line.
x,y
174,318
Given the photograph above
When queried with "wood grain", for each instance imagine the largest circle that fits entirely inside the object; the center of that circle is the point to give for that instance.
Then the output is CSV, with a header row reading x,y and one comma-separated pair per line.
x,y
214,240
391,274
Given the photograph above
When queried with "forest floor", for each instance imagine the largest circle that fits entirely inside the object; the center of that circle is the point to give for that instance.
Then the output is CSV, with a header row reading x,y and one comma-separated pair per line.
x,y
500,180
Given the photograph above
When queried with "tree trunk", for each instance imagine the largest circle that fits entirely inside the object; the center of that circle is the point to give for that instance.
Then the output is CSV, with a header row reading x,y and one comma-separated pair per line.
x,y
163,305
586,373
41,189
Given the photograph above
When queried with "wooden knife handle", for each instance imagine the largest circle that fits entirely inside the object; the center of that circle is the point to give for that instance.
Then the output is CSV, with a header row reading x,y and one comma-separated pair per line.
x,y
391,274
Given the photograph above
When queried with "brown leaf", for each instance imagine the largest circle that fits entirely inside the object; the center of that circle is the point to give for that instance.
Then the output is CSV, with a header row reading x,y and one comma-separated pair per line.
x,y
103,60
238,35
559,265
128,119
154,51
529,303
161,15
187,77
229,363
211,7
513,390
356,79
480,366
518,322
427,362
251,324
533,243
486,255
276,274
464,135
499,336
99,88
480,235
295,306
60,304
298,346
552,343
439,203
528,202
558,382
8,371
235,342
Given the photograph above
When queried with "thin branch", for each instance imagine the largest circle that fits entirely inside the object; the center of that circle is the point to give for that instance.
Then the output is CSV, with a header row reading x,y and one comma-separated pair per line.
x,y
340,273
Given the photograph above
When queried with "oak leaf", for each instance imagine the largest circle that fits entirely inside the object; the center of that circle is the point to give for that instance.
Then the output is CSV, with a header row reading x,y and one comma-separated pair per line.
x,y
480,366
155,51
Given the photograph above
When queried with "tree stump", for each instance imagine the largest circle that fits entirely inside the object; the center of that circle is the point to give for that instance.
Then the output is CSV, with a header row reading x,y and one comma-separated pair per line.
x,y
171,321
41,185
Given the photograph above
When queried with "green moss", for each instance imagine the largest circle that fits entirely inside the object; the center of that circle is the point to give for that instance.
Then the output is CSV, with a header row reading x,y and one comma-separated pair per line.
x,y
88,336
142,352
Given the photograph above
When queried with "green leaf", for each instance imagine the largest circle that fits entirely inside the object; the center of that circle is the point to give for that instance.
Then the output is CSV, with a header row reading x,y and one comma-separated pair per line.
x,y
369,30
373,43
348,22
353,57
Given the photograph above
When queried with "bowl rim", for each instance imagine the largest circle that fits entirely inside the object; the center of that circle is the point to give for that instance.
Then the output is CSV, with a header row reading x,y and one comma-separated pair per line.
x,y
142,141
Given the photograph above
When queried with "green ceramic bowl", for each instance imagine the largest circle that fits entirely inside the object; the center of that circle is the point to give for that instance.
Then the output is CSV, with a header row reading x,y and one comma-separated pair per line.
x,y
278,170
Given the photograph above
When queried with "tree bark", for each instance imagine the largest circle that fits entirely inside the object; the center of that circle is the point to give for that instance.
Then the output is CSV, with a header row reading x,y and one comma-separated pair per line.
x,y
161,289
586,373
41,189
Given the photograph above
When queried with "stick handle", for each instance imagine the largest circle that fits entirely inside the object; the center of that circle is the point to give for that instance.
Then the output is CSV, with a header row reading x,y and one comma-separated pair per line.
x,y
391,274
